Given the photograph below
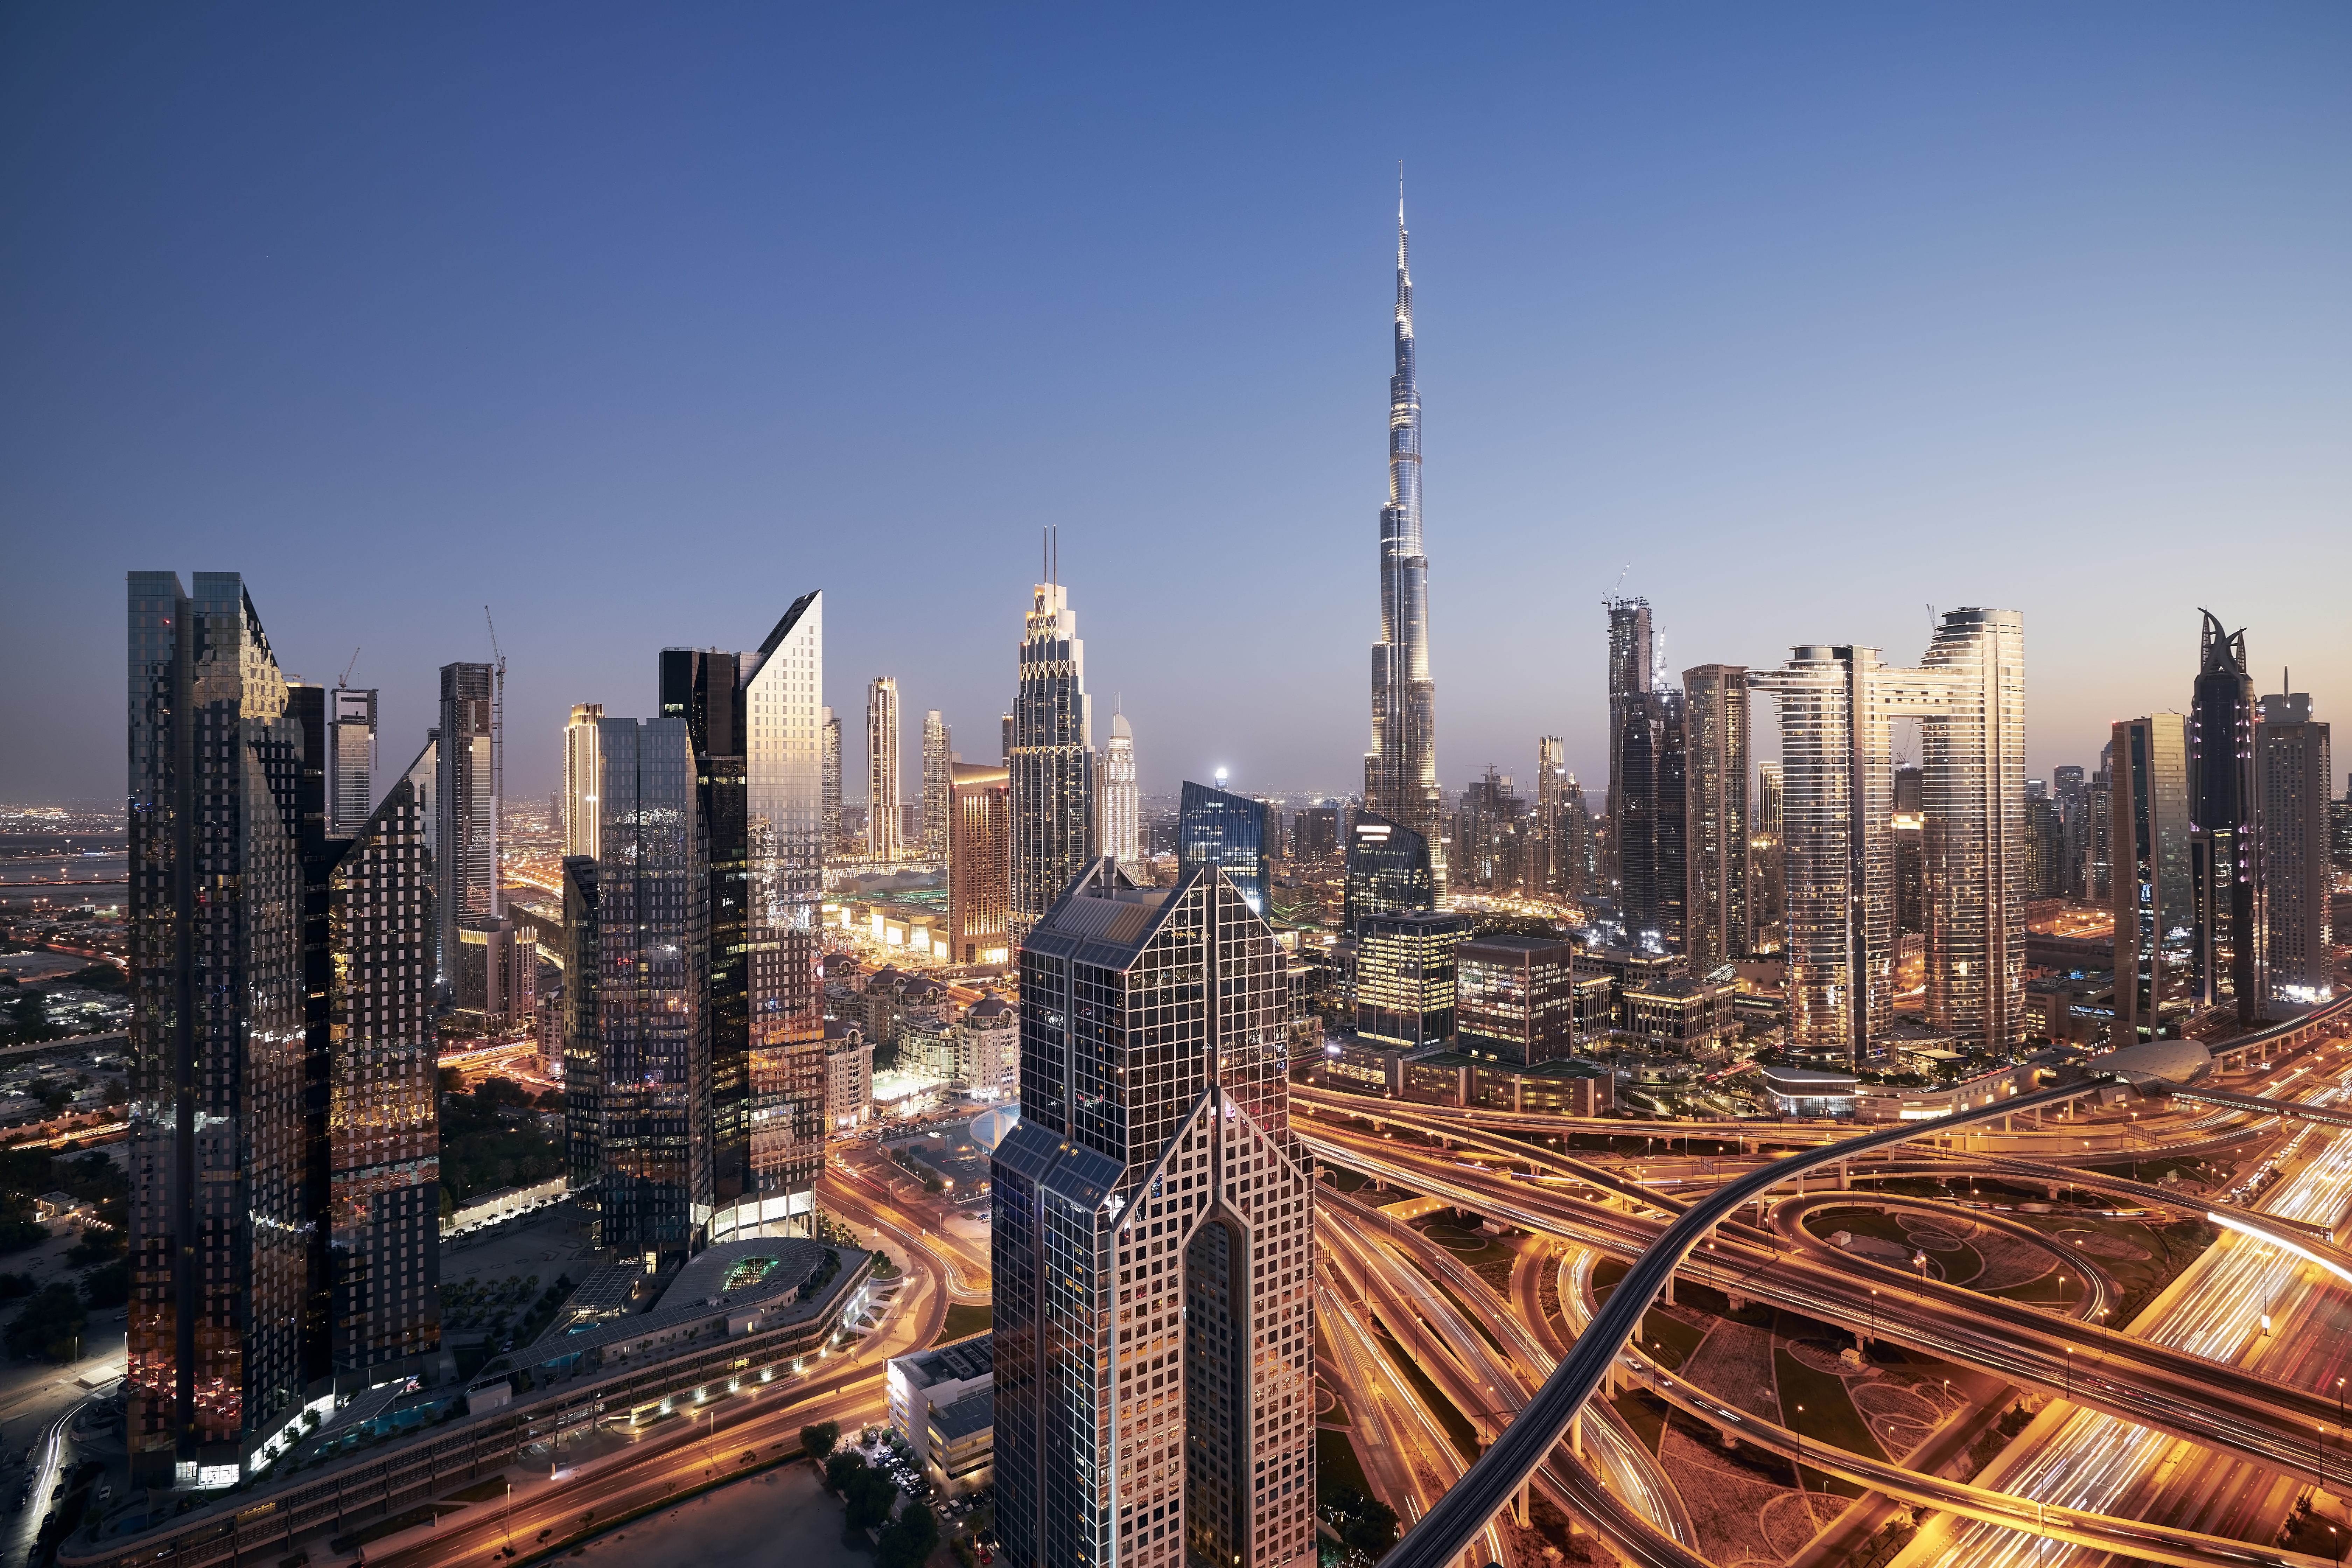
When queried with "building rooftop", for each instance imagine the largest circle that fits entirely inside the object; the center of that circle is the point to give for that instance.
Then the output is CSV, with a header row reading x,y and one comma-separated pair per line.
x,y
959,1362
1810,1081
1512,941
974,1413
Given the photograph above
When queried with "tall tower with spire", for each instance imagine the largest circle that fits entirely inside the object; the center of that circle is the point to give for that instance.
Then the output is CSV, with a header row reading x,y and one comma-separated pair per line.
x,y
1401,770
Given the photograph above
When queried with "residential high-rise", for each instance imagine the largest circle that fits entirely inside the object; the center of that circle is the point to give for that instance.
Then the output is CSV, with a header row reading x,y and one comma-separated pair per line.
x,y
785,830
1401,770
1772,880
282,1149
1051,760
1154,1241
2072,788
2045,849
2098,847
2154,963
1909,842
939,786
1837,705
1649,805
651,1036
829,780
1717,910
1218,827
2294,769
882,792
1005,750
980,864
1630,678
1550,874
1493,838
467,837
2224,807
1122,801
1388,870
351,759
581,770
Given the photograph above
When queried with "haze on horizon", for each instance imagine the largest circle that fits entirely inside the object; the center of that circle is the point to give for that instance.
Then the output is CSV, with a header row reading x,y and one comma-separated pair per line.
x,y
635,325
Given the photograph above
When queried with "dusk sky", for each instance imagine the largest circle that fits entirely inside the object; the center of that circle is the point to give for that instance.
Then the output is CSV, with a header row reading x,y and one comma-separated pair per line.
x,y
635,323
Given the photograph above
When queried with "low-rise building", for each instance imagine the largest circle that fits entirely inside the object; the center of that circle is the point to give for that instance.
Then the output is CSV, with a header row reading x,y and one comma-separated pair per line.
x,y
988,1050
963,1444
1810,1091
849,1077
926,1382
1674,1013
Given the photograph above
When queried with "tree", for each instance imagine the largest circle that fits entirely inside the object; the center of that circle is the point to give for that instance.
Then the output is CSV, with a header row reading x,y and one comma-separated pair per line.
x,y
819,1439
50,1325
870,1495
844,1464
908,1540
108,1286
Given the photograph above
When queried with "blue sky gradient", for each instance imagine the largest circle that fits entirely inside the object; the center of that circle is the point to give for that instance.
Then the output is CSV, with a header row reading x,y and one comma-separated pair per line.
x,y
637,323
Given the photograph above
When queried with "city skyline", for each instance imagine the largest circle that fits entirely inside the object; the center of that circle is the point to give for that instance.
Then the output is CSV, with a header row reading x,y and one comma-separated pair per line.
x,y
1611,381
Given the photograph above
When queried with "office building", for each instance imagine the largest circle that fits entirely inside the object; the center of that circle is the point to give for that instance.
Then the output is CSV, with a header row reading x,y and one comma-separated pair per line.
x,y
1649,804
923,1381
939,757
2224,807
829,780
279,983
2294,769
581,770
882,797
1630,679
498,970
2155,962
784,835
467,837
1405,977
1515,997
1837,705
1122,799
1051,760
1388,870
1719,914
351,759
1218,827
1315,833
650,1034
1154,1241
2072,788
980,864
1764,844
1401,770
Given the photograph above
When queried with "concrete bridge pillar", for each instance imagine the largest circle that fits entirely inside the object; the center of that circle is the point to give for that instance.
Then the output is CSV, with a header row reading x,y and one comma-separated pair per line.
x,y
1519,1506
1576,1435
1670,1290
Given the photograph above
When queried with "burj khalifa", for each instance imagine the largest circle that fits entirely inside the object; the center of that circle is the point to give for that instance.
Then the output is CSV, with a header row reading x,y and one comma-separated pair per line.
x,y
1401,770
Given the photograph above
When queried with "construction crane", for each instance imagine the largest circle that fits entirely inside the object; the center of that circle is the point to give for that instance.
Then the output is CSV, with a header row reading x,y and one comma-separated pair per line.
x,y
497,740
346,680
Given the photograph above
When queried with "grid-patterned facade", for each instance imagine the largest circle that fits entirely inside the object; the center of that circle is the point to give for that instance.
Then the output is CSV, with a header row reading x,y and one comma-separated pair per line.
x,y
467,837
1405,977
2295,765
584,1053
1718,911
221,1104
882,795
1649,811
980,863
581,773
1154,1241
1051,759
2155,955
653,1022
351,759
1122,798
2224,812
382,1120
938,784
1218,827
1631,675
1515,997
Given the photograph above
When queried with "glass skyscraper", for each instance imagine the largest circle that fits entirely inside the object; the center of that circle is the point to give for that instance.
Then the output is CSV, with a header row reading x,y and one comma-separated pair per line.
x,y
1051,759
1217,827
1122,804
2293,767
2224,812
1648,807
2154,923
467,834
980,863
1388,870
1630,678
1719,909
351,759
1154,1241
580,773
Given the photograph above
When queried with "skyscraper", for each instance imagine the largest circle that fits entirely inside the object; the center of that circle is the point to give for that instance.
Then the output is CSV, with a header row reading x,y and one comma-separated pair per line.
x,y
351,759
2155,921
1388,870
1719,909
283,1147
2224,807
1404,987
1836,704
1550,874
581,770
1122,801
1154,1241
2294,778
829,780
1218,827
980,864
467,837
1771,881
882,794
1630,677
939,786
651,1034
1051,760
2072,788
1649,805
1401,770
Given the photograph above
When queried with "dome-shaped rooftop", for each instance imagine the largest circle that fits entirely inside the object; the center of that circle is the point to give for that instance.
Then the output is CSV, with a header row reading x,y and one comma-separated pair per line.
x,y
2154,1061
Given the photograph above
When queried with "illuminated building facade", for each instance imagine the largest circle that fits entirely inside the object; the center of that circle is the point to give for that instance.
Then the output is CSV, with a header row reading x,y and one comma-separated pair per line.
x,y
1649,806
2295,765
467,837
1836,706
1405,977
1154,1242
882,795
1388,870
1630,679
1718,908
351,759
2224,807
2155,920
581,770
1218,827
829,780
1051,759
1515,997
938,784
1401,770
1122,801
980,864
1764,842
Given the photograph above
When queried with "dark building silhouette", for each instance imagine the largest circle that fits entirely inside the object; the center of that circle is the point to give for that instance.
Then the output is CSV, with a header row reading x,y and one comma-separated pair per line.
x,y
2225,830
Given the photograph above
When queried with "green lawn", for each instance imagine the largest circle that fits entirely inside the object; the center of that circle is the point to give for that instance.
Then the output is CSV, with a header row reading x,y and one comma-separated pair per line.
x,y
1828,1416
964,1321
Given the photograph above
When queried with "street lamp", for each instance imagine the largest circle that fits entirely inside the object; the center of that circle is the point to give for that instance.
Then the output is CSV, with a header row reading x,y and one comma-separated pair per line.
x,y
2070,1371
